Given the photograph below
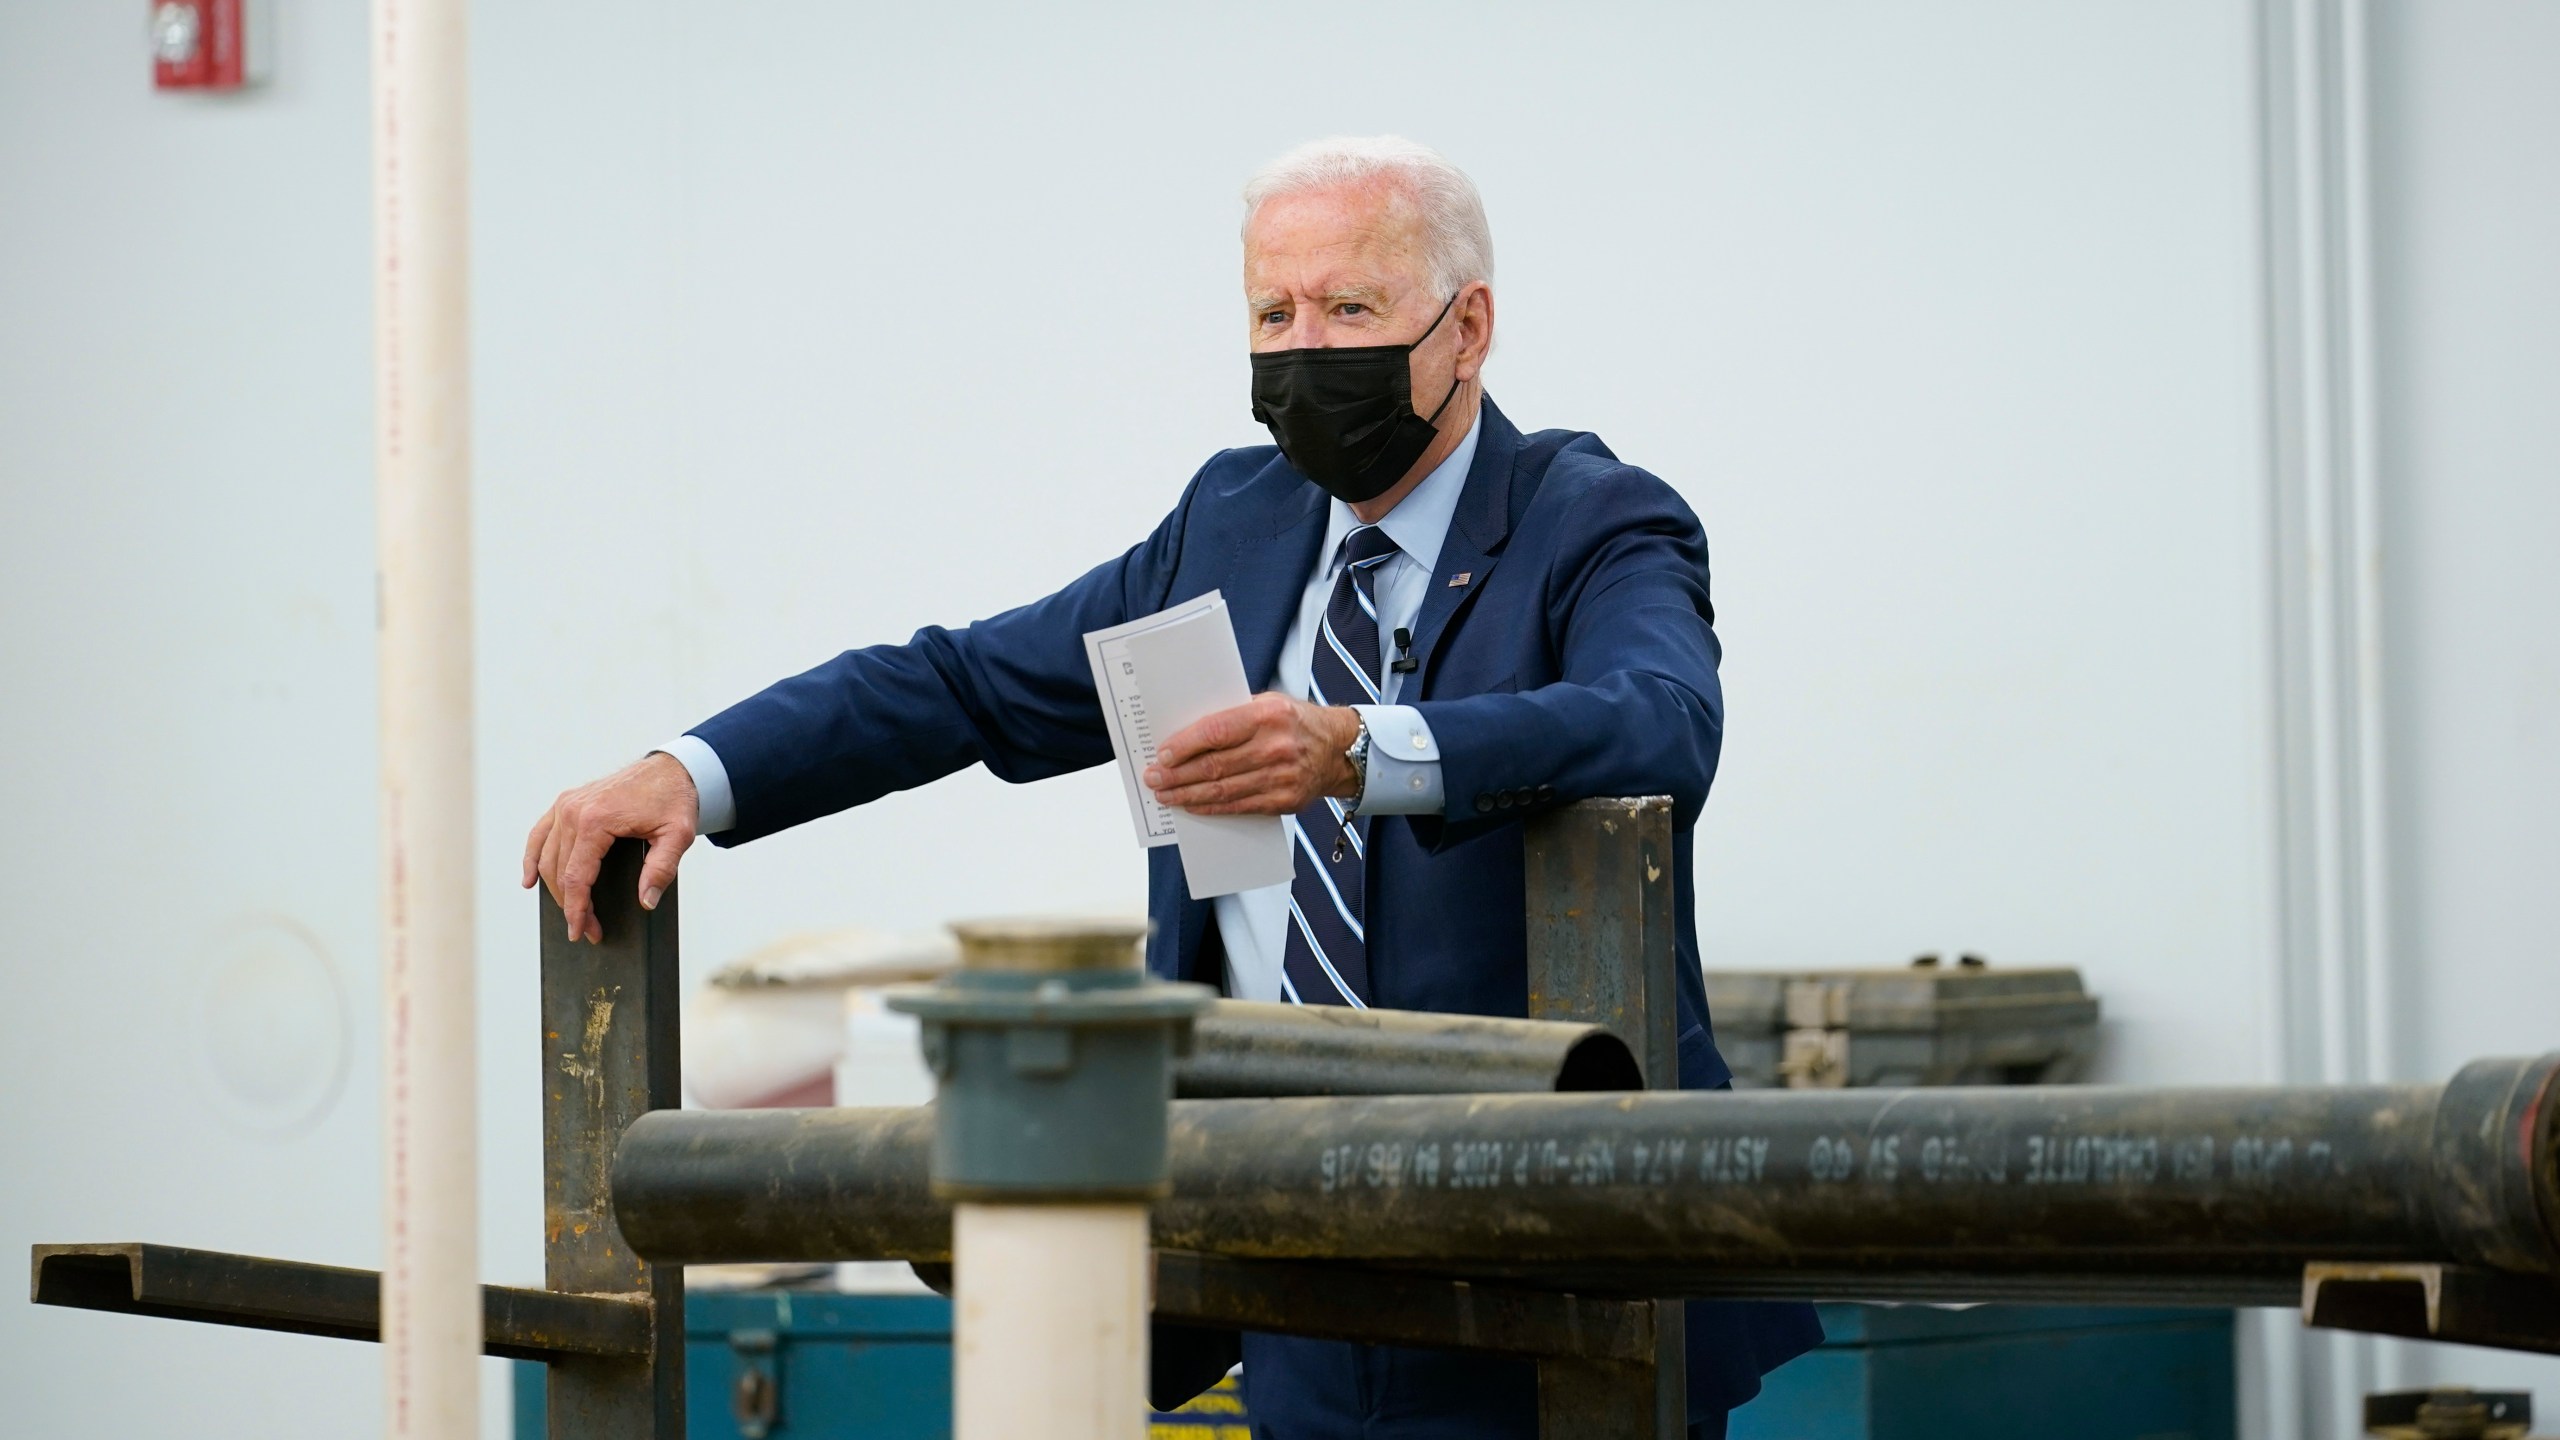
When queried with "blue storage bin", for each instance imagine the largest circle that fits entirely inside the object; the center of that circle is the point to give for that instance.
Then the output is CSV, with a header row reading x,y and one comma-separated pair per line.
x,y
815,1365
2004,1372
878,1367
845,1367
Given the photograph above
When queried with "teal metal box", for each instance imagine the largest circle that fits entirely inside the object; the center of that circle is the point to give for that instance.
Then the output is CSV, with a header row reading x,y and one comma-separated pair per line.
x,y
878,1367
843,1367
815,1365
2004,1372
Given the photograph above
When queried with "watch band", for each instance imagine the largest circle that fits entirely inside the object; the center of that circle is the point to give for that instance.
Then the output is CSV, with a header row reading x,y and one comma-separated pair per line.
x,y
1358,755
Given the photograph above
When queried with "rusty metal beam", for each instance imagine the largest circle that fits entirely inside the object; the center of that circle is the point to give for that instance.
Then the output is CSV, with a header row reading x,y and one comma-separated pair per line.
x,y
1602,950
609,1056
1601,917
216,1288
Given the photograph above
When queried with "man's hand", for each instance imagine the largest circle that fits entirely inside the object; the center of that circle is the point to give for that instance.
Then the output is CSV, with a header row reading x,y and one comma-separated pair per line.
x,y
652,800
1269,756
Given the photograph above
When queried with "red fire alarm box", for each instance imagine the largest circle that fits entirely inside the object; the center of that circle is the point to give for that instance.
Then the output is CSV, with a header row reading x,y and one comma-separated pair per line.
x,y
203,44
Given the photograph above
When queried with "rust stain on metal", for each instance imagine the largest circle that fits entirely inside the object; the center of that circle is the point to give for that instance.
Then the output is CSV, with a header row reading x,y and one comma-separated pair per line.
x,y
586,1065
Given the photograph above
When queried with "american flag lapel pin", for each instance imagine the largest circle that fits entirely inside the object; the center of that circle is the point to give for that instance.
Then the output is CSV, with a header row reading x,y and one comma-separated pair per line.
x,y
1460,579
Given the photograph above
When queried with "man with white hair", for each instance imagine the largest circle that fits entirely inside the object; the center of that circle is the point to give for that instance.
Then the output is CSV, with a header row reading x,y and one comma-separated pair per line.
x,y
1458,625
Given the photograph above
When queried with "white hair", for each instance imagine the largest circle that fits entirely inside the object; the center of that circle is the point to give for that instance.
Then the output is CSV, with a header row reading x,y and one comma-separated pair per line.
x,y
1457,244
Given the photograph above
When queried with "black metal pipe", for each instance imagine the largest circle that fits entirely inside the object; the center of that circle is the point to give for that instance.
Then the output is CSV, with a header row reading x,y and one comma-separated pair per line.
x,y
1670,1190
1243,1048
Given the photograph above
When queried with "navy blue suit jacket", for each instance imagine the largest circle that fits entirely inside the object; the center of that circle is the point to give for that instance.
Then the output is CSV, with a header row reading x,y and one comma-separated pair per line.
x,y
1567,650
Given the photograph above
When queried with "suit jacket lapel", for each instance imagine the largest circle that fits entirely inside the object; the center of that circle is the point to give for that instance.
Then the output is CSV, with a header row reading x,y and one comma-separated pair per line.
x,y
1476,533
1267,578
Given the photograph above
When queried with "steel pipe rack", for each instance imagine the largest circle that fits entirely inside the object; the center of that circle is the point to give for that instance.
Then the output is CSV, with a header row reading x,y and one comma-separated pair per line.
x,y
1539,1214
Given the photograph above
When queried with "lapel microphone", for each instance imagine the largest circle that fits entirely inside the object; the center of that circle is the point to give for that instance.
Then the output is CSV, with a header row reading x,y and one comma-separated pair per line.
x,y
1404,663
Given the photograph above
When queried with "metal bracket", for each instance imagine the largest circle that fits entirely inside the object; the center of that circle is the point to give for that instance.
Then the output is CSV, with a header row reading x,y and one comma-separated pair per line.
x,y
755,1397
2436,1302
216,1288
2449,1412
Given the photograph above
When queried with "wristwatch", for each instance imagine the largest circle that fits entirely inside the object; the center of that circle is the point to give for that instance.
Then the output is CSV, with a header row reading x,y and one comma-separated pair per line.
x,y
1358,755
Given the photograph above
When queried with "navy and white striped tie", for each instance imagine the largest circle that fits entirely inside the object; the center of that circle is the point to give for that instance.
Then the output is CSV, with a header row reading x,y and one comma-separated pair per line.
x,y
1326,961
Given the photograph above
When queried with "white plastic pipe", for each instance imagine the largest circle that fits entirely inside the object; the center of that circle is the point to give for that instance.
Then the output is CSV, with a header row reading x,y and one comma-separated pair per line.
x,y
1050,1322
422,467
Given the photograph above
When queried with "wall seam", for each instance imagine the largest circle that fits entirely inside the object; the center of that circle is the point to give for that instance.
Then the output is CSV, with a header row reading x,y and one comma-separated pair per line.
x,y
2332,1021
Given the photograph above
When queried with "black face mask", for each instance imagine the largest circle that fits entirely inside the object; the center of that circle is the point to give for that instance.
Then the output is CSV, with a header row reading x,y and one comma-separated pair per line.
x,y
1345,416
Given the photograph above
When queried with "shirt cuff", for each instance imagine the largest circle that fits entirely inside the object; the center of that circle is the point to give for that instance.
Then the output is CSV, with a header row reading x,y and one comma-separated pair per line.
x,y
1404,762
717,807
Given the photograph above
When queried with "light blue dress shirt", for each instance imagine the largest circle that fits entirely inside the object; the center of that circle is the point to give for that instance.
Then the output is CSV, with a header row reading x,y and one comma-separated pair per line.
x,y
1404,759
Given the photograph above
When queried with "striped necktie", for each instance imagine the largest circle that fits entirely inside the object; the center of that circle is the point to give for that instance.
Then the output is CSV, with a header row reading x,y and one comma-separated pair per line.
x,y
1326,961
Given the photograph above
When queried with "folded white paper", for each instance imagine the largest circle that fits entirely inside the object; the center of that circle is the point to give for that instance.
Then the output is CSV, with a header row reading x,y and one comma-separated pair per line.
x,y
1155,676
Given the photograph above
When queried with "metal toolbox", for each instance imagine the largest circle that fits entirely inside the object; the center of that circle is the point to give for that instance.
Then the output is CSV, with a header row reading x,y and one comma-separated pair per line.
x,y
817,1365
774,1364
1921,1024
2004,1372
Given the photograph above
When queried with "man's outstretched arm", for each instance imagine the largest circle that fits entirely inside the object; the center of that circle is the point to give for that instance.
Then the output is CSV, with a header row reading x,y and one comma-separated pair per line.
x,y
1013,692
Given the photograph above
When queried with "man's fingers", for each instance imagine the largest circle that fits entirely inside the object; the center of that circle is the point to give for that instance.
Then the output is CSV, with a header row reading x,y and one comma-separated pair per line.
x,y
555,852
1266,801
578,870
1217,732
548,866
533,849
1191,797
1216,765
1245,761
1224,744
1203,785
1256,792
666,850
651,798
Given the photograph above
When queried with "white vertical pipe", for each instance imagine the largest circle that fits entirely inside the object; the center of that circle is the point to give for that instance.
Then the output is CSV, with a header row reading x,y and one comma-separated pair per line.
x,y
422,465
1049,1328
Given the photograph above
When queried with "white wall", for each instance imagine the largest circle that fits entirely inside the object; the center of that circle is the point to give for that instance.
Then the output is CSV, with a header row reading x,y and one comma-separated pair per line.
x,y
2470,321
186,693
2468,220
1893,314
802,325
